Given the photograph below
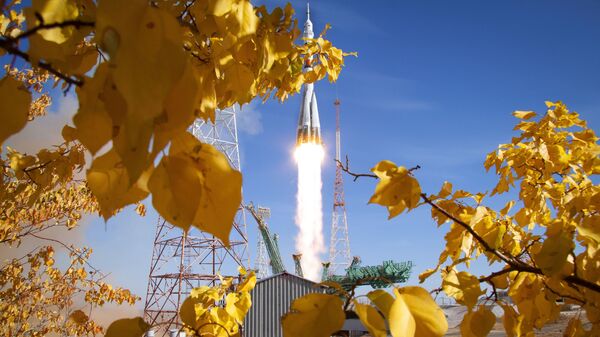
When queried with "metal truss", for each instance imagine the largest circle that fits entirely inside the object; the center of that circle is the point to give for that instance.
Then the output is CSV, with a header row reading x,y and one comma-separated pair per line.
x,y
262,262
339,243
182,261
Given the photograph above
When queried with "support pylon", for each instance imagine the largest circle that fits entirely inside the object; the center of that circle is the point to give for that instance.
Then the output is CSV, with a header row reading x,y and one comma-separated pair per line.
x,y
262,262
339,244
182,261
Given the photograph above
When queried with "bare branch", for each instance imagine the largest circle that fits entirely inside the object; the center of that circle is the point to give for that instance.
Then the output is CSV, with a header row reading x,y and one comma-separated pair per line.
x,y
355,175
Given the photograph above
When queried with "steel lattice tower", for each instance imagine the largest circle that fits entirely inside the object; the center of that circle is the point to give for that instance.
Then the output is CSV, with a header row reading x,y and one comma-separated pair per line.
x,y
262,259
182,261
339,244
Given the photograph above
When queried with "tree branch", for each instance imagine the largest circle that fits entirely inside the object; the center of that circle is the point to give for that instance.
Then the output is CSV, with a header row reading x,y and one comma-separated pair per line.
x,y
355,175
359,175
471,231
10,45
513,262
496,273
68,23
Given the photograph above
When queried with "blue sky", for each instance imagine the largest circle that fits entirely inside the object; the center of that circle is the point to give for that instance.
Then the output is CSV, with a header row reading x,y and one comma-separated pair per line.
x,y
434,84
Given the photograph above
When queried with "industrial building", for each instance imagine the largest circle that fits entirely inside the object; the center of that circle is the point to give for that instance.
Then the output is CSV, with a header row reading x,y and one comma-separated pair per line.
x,y
272,298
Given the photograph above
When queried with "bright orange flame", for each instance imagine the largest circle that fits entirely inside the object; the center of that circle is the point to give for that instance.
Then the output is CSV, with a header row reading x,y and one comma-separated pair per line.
x,y
309,212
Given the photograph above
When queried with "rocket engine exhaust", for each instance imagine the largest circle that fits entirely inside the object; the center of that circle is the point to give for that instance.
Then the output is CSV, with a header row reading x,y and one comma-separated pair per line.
x,y
309,212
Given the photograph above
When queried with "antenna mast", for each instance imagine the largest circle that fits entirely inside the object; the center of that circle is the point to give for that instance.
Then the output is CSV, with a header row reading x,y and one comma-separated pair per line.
x,y
339,244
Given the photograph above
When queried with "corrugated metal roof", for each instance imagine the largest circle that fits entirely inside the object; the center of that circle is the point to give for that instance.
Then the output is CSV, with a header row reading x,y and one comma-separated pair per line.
x,y
271,299
284,273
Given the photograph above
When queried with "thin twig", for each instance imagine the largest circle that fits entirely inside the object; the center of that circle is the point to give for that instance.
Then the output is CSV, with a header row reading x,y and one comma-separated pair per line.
x,y
513,262
10,45
68,23
355,175
69,249
11,49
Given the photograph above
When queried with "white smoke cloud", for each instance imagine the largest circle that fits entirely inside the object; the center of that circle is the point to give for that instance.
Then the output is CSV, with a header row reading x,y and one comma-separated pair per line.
x,y
249,119
45,131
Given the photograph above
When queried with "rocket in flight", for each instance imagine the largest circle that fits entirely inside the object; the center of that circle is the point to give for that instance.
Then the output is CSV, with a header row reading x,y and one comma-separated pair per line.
x,y
309,127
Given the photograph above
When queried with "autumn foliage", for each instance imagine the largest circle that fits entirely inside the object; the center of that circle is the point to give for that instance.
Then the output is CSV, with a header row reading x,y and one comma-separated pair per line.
x,y
143,71
543,244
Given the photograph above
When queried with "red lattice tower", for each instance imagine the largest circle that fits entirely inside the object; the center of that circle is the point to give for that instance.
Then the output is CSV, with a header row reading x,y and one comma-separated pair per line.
x,y
339,243
183,261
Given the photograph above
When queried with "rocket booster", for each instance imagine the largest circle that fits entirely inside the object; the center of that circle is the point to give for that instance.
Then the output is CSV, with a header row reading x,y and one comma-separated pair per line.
x,y
309,126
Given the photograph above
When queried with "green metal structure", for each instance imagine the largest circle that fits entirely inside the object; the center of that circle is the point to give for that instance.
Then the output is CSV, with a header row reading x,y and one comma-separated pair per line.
x,y
380,276
277,265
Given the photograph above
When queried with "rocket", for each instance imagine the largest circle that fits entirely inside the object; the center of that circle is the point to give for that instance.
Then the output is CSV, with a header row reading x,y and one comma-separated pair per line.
x,y
309,126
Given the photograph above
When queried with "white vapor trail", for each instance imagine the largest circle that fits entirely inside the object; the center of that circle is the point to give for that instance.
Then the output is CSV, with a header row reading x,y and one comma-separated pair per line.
x,y
309,212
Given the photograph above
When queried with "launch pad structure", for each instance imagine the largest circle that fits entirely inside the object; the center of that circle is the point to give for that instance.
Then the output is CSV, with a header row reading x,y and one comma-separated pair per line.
x,y
182,261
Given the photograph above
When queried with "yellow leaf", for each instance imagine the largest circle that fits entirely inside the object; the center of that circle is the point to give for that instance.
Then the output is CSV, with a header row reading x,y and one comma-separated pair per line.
x,y
187,312
176,185
240,80
227,325
14,108
524,114
246,18
558,155
478,323
589,228
430,320
127,327
514,324
110,184
237,305
206,294
446,190
181,102
79,317
424,275
219,7
248,283
462,286
200,301
315,315
53,11
507,207
382,300
396,188
126,29
500,281
371,319
63,47
554,253
196,185
208,99
94,126
402,323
